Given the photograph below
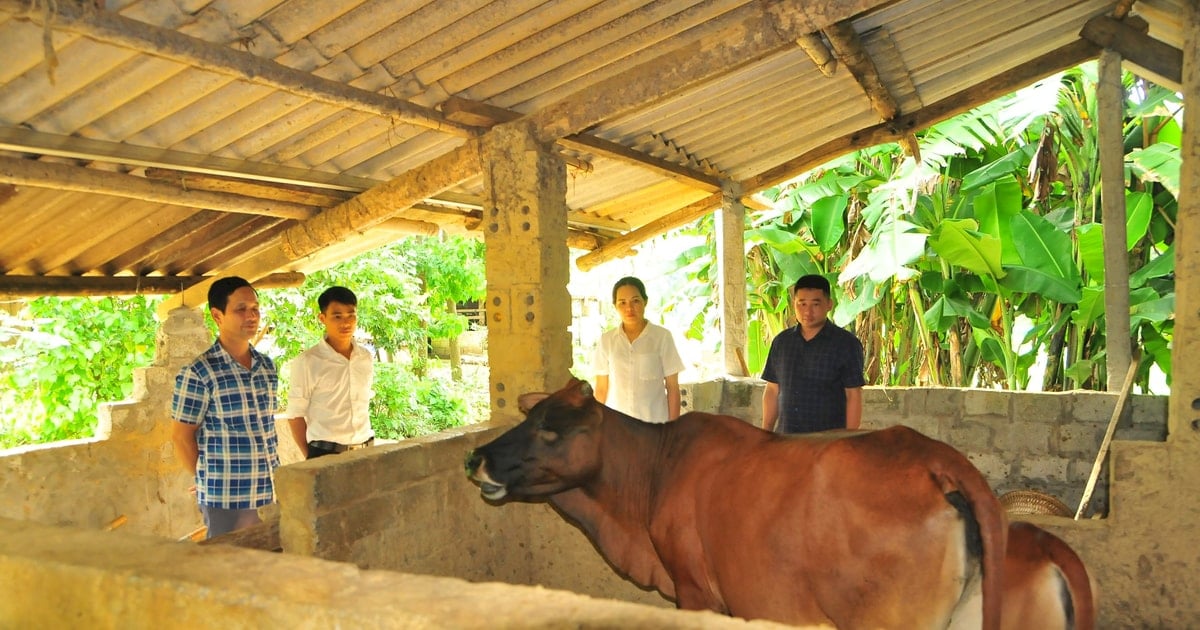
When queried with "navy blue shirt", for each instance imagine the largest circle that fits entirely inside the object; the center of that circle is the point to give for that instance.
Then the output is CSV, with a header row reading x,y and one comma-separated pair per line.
x,y
813,376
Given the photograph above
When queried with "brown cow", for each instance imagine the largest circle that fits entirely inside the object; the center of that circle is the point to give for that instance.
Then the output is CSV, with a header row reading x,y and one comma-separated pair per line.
x,y
886,529
1045,582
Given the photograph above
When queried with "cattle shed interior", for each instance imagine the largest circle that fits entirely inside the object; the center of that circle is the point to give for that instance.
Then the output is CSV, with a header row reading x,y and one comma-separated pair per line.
x,y
154,145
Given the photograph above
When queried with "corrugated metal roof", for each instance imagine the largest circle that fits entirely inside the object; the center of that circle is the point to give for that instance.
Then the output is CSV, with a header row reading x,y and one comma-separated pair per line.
x,y
113,129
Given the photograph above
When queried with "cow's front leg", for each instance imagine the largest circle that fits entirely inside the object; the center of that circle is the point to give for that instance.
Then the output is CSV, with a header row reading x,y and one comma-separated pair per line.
x,y
691,596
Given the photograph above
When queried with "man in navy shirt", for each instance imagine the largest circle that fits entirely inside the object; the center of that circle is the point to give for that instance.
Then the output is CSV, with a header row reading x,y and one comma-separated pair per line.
x,y
814,370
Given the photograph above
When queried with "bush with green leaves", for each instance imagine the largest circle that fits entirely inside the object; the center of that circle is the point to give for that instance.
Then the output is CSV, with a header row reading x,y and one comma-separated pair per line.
x,y
63,358
404,406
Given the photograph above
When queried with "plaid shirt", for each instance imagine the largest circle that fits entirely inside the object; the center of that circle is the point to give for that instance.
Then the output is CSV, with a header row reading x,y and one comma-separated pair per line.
x,y
235,410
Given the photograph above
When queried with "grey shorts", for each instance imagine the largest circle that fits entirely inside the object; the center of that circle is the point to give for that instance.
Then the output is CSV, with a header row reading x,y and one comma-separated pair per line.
x,y
222,521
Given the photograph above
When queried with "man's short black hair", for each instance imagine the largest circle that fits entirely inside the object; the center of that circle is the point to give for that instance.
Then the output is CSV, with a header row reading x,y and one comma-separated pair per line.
x,y
219,291
812,281
630,281
341,295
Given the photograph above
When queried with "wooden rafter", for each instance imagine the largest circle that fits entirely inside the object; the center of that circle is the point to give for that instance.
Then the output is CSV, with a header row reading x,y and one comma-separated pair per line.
x,y
752,32
623,245
78,179
814,46
352,216
113,28
79,286
484,115
849,50
1064,57
1163,62
21,140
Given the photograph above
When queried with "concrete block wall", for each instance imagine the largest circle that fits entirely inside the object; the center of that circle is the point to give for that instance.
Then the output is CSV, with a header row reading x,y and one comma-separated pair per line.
x,y
128,469
58,577
1020,440
409,507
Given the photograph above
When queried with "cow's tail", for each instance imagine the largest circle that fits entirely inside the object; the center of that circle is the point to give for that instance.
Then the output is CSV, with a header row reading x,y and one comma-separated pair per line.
x,y
1075,575
992,524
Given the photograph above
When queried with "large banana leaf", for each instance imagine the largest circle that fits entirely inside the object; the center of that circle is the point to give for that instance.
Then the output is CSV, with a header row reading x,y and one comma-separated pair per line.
x,y
960,244
1014,162
892,248
995,205
1162,265
781,240
1145,305
1158,162
1139,207
1091,307
1090,237
1047,266
867,297
1037,281
946,311
829,221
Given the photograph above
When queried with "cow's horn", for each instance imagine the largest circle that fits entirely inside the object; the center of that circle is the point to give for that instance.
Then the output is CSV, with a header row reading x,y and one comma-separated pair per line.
x,y
586,389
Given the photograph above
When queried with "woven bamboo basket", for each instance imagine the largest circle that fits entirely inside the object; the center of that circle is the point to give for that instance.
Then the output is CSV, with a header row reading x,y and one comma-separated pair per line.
x,y
1033,502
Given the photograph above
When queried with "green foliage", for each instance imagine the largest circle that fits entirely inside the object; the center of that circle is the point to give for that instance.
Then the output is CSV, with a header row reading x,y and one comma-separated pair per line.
x,y
64,358
986,257
405,407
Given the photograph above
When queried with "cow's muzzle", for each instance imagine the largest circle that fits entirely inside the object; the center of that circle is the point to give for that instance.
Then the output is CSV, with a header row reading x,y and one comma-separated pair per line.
x,y
476,466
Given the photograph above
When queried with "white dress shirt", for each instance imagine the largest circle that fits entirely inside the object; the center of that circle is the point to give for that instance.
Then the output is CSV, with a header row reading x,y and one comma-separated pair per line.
x,y
637,371
332,393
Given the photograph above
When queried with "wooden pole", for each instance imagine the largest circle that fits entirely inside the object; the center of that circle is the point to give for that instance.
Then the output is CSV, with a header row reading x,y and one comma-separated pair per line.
x,y
1108,434
1110,111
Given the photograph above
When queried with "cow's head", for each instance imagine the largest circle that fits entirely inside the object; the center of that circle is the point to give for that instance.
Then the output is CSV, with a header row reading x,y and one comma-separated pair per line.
x,y
556,448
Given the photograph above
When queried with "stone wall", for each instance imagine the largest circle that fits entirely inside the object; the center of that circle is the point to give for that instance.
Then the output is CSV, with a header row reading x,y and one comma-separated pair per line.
x,y
55,577
409,507
128,473
1021,441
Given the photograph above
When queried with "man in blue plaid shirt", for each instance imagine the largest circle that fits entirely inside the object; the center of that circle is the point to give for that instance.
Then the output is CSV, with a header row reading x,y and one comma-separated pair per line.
x,y
224,411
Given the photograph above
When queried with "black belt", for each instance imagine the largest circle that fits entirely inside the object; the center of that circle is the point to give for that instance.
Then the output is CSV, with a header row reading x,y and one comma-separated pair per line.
x,y
339,448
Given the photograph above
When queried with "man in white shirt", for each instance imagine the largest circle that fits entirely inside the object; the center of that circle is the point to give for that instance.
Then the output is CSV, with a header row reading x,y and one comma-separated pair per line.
x,y
331,383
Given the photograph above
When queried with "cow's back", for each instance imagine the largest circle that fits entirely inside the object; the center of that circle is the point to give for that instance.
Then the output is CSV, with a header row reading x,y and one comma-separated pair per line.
x,y
810,529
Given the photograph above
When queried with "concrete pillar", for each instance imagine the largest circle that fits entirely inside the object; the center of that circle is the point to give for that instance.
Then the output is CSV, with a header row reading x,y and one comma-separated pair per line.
x,y
525,231
731,273
181,338
1183,421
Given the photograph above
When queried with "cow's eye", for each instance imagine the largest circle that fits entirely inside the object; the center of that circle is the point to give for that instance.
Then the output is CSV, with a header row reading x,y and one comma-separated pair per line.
x,y
548,436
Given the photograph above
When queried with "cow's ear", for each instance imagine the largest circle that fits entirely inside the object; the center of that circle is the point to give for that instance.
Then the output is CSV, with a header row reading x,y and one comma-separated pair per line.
x,y
525,402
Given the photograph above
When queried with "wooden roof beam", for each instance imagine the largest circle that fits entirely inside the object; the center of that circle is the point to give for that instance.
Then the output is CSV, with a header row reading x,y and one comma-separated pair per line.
x,y
849,50
113,28
1057,60
484,115
83,286
21,140
1160,62
37,174
740,37
623,245
361,213
86,180
814,46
